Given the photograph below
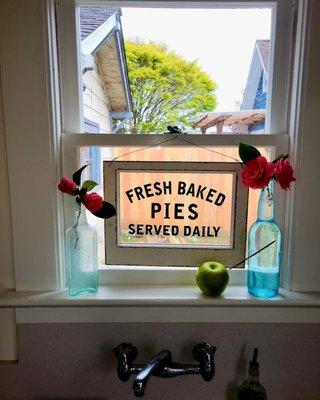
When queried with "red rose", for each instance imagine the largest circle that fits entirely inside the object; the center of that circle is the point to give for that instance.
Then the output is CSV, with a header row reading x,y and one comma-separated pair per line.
x,y
93,201
284,173
67,185
257,173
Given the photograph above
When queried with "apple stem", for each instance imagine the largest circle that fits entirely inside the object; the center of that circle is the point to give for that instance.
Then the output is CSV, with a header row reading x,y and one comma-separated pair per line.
x,y
251,255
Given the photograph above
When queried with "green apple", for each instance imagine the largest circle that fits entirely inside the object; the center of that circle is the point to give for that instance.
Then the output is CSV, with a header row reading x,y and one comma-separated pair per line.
x,y
212,278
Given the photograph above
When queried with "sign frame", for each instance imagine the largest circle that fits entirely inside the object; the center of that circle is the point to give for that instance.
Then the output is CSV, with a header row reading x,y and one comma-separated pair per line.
x,y
151,255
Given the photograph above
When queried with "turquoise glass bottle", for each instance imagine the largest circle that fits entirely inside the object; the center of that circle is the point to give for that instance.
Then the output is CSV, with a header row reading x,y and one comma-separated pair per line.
x,y
82,257
264,268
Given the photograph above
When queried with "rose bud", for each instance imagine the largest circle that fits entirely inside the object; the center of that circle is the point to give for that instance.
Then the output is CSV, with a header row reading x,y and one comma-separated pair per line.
x,y
92,201
284,173
67,185
257,173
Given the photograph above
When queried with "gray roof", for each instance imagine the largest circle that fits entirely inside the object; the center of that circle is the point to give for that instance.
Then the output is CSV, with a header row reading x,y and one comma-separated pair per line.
x,y
92,17
264,50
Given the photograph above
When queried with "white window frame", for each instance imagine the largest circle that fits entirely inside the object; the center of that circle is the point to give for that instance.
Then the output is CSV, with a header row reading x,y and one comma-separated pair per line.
x,y
38,238
275,124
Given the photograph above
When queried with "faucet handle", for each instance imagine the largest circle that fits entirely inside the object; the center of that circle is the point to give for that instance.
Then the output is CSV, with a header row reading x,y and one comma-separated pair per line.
x,y
204,354
126,353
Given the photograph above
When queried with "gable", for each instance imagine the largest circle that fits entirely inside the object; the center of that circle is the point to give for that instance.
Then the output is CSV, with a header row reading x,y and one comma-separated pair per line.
x,y
93,17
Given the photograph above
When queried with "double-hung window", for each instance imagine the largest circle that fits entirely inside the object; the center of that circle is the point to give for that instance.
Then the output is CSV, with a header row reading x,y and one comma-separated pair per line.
x,y
67,78
97,44
68,99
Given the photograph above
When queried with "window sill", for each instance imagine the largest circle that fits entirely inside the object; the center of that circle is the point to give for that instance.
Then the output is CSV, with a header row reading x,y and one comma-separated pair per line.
x,y
158,275
161,303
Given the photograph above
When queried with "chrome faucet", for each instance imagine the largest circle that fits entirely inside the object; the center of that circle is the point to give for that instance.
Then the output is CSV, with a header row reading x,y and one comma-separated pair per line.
x,y
161,365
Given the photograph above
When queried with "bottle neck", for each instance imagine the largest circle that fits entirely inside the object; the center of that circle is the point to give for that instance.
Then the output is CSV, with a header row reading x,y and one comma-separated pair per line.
x,y
253,378
254,371
266,204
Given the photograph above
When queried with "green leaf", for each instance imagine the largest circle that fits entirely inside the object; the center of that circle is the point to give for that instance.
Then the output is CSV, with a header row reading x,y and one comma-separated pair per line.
x,y
89,185
76,177
248,152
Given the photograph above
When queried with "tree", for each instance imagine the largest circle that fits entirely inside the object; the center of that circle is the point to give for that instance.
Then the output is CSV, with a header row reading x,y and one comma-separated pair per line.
x,y
166,89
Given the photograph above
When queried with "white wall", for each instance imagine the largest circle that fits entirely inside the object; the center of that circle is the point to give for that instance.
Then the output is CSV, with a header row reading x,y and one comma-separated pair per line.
x,y
6,253
30,143
75,361
307,217
8,335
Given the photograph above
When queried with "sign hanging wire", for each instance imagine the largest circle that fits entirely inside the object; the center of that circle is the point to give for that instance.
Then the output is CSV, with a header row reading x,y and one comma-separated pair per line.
x,y
176,137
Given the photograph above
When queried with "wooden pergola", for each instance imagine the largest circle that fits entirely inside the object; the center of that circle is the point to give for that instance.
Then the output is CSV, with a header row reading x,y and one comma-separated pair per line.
x,y
233,119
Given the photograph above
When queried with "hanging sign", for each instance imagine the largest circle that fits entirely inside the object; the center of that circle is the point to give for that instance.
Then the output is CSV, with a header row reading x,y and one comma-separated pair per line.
x,y
170,206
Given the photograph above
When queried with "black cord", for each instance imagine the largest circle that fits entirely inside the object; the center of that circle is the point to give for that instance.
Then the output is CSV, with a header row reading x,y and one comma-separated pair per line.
x,y
251,255
144,148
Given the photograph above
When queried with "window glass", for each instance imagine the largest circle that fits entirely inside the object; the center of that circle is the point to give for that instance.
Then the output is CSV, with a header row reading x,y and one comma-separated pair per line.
x,y
202,70
175,209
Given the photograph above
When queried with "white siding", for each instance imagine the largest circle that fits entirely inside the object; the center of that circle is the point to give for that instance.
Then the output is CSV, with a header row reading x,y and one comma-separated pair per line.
x,y
96,105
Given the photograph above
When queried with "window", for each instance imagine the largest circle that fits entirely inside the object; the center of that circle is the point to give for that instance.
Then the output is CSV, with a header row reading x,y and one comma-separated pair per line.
x,y
40,254
102,42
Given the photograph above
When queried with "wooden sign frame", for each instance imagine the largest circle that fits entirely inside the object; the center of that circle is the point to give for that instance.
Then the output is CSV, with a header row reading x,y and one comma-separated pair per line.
x,y
152,255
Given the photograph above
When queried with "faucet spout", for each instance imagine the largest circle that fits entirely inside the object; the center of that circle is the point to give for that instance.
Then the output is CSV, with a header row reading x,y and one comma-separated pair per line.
x,y
157,362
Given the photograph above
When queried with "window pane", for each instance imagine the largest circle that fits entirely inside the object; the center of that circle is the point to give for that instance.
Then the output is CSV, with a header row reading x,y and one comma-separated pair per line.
x,y
190,154
202,70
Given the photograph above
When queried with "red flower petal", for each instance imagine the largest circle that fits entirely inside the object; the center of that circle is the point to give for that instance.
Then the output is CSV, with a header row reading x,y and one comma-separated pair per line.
x,y
67,185
257,173
92,201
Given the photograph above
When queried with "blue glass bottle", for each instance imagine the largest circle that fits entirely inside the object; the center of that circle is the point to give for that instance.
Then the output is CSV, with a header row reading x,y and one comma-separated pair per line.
x,y
264,268
82,257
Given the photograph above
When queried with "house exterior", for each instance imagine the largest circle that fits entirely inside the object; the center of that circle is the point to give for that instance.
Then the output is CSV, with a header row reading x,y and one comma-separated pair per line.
x,y
235,121
255,93
106,91
251,117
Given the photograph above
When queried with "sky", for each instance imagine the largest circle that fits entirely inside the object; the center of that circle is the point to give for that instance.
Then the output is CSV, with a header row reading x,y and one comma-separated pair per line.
x,y
221,40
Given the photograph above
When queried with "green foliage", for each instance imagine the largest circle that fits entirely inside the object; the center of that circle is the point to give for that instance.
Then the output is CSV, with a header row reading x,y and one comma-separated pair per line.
x,y
89,185
166,89
248,152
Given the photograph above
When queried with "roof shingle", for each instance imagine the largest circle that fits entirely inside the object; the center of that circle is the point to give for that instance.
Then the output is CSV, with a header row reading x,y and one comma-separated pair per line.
x,y
92,17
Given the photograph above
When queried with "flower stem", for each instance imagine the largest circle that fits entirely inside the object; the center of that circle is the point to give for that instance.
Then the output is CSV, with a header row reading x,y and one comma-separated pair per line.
x,y
76,226
269,196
